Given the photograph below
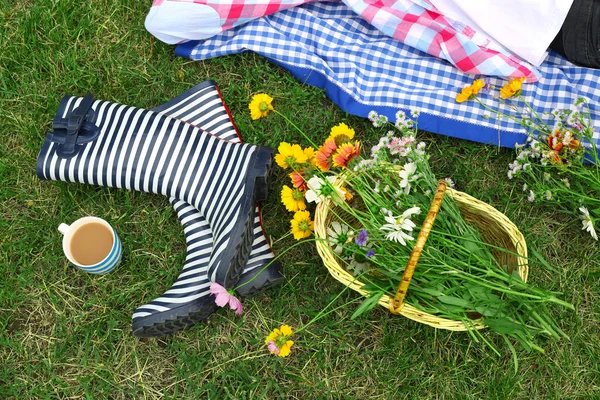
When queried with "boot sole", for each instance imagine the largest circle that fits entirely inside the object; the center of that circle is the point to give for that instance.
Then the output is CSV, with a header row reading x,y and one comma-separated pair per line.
x,y
257,189
176,319
267,279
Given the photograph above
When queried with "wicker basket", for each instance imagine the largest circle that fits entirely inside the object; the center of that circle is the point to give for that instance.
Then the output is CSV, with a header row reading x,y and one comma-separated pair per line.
x,y
495,228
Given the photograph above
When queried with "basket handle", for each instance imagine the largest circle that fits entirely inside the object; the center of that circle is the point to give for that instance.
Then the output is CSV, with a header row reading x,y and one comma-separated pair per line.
x,y
397,302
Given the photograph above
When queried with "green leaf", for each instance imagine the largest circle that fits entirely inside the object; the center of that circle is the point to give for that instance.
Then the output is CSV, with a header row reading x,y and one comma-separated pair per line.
x,y
368,304
502,326
543,261
490,311
454,301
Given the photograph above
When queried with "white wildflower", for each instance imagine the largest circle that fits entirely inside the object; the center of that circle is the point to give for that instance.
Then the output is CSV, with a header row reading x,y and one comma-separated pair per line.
x,y
319,190
400,115
588,224
531,197
399,226
338,236
407,176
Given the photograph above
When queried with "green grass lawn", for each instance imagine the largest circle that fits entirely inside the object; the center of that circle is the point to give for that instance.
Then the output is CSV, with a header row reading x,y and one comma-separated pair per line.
x,y
67,334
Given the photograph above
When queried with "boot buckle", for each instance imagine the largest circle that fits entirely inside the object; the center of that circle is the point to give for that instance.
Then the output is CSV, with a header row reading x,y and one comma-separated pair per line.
x,y
77,129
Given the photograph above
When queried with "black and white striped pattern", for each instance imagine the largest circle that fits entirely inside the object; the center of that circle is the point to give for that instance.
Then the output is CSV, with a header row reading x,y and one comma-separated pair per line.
x,y
142,150
203,107
189,300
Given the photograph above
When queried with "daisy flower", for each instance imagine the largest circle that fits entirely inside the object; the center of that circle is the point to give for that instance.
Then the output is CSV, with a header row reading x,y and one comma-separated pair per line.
x,y
345,153
357,266
398,226
341,133
278,341
588,224
292,199
339,235
302,225
260,105
290,155
224,296
319,190
407,176
324,154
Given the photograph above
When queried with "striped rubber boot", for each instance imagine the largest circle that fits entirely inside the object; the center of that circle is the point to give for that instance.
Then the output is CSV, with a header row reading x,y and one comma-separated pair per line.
x,y
189,300
109,144
203,106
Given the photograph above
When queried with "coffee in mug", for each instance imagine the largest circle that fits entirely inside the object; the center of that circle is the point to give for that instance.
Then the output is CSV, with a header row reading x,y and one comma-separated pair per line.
x,y
91,244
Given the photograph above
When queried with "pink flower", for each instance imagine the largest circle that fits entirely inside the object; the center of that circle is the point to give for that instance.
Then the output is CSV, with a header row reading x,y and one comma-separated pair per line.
x,y
223,297
273,347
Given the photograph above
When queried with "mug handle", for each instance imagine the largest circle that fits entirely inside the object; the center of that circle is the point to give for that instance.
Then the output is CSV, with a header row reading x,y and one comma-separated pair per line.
x,y
63,228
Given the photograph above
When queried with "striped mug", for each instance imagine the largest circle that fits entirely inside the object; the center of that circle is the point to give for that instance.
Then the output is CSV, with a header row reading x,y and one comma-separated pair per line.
x,y
91,244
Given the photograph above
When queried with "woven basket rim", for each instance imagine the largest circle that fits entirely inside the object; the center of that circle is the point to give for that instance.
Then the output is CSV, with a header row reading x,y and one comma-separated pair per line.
x,y
462,199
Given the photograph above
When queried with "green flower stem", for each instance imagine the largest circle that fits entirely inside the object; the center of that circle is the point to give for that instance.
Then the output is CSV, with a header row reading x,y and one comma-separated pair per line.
x,y
497,112
296,127
520,96
275,259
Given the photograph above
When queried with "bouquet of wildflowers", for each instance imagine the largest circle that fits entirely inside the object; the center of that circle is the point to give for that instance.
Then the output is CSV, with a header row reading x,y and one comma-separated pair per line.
x,y
379,205
558,164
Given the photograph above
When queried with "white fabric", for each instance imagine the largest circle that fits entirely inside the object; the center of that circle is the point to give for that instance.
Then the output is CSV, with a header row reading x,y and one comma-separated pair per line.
x,y
524,27
176,22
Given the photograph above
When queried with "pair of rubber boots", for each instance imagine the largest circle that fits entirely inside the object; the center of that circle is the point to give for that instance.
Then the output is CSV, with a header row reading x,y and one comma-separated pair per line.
x,y
188,150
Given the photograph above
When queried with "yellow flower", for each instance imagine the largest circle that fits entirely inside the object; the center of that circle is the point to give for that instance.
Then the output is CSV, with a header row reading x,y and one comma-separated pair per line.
x,y
347,194
260,105
286,330
465,94
515,84
477,85
278,341
341,133
290,155
302,225
511,88
309,152
461,98
292,199
286,348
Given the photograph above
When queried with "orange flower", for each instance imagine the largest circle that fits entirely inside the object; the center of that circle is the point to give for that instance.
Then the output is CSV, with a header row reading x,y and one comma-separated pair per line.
x,y
298,180
345,153
323,156
554,142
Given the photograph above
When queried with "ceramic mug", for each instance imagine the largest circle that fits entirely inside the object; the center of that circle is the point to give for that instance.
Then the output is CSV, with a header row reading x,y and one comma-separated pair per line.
x,y
91,244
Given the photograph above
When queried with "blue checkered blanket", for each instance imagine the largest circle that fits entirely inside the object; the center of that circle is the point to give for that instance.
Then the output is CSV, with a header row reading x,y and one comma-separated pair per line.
x,y
361,69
